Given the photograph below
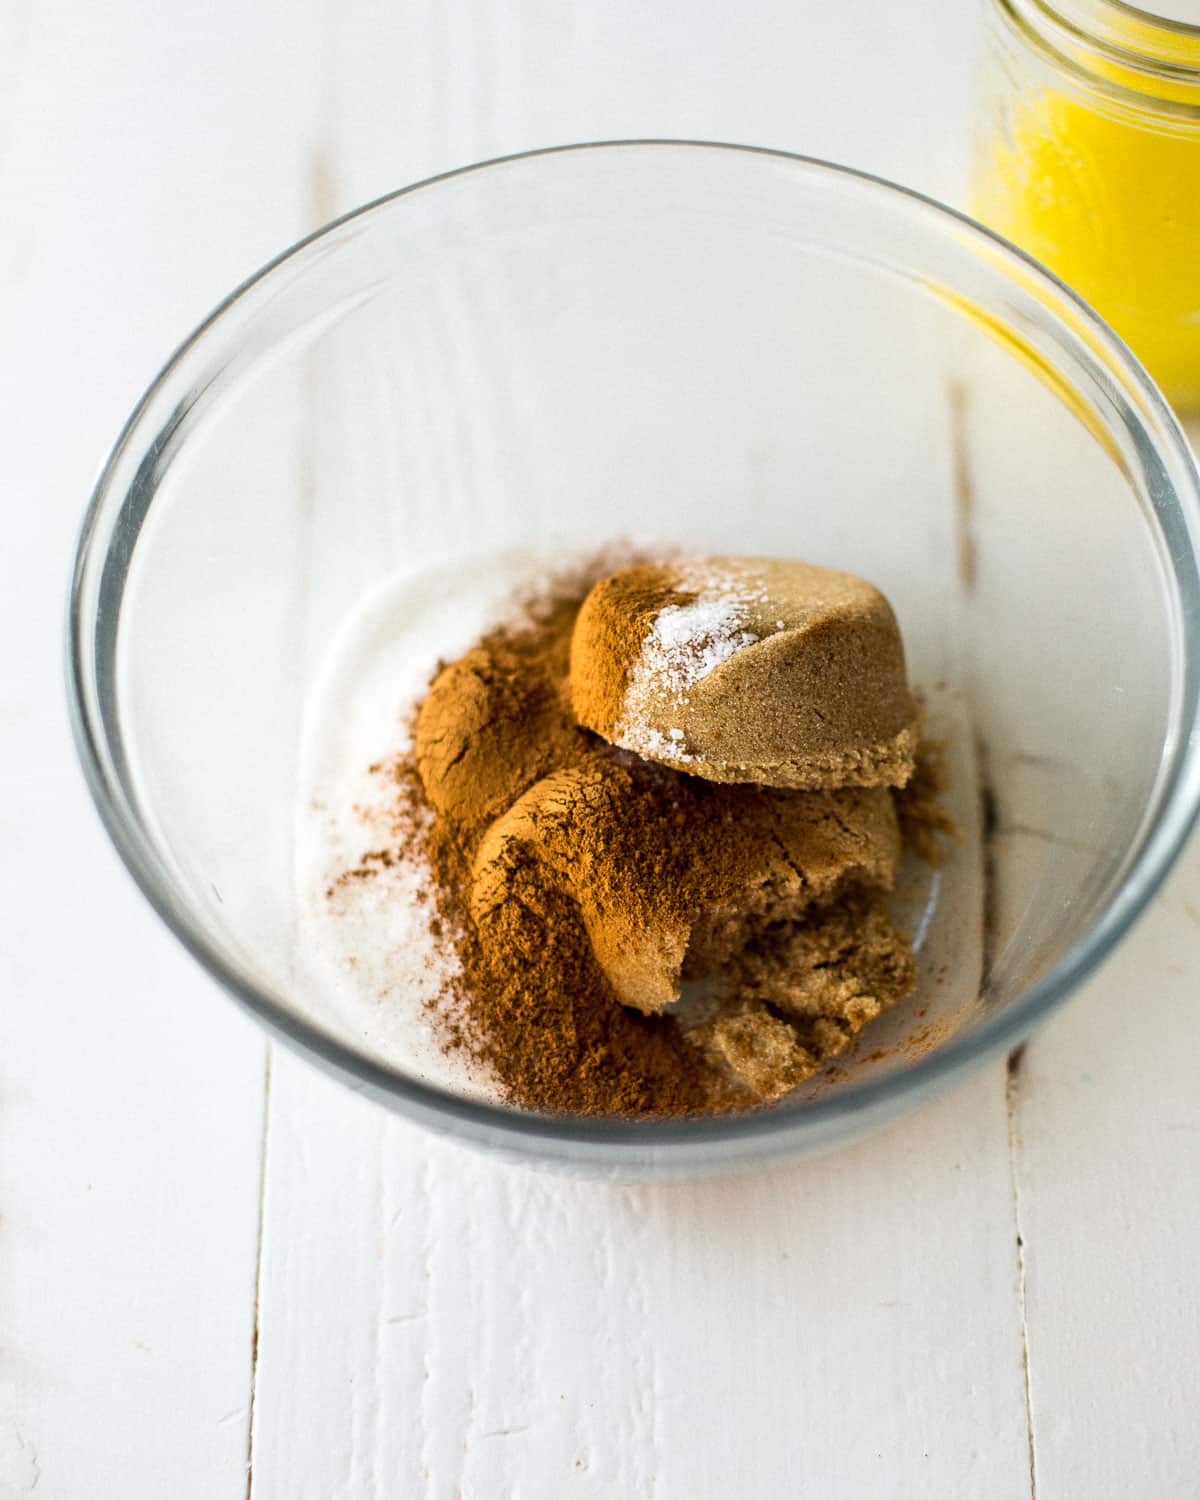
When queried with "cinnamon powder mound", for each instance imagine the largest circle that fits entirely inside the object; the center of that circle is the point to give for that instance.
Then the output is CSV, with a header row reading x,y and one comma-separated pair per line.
x,y
581,888
530,1006
498,719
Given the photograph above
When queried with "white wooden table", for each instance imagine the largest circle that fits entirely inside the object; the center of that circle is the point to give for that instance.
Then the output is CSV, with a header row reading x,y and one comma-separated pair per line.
x,y
222,1276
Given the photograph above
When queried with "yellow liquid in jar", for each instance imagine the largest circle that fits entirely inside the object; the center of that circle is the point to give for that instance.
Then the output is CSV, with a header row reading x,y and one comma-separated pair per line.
x,y
1110,201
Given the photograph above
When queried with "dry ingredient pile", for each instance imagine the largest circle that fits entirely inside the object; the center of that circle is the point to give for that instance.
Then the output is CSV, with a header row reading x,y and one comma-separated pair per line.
x,y
660,819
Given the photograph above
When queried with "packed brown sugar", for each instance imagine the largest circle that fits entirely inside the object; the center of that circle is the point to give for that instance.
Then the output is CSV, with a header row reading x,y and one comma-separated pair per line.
x,y
608,831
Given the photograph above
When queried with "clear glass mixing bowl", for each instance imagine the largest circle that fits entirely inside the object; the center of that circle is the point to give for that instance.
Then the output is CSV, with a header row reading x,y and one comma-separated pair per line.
x,y
732,349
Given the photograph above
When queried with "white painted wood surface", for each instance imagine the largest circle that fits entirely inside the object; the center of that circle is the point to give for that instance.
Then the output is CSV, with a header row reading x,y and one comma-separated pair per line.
x,y
995,1298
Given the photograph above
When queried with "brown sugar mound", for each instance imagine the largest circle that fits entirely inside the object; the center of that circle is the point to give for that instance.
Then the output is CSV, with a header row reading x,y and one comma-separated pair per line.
x,y
584,889
747,669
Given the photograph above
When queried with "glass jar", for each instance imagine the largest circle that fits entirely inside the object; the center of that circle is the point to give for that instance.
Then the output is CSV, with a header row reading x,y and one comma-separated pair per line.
x,y
1088,157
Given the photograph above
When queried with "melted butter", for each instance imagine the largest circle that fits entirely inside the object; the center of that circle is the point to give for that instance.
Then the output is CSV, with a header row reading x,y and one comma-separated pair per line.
x,y
1102,184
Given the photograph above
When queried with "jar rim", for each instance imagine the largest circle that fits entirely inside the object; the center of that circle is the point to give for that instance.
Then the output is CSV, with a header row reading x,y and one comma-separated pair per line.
x,y
1121,49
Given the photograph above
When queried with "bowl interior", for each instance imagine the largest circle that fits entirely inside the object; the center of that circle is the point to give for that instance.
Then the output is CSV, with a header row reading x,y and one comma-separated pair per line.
x,y
723,349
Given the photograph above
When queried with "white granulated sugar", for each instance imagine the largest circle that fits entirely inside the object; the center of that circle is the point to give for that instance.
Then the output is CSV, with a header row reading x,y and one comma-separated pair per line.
x,y
684,644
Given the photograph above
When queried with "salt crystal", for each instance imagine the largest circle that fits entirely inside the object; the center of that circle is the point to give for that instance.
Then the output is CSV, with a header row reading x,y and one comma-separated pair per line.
x,y
651,744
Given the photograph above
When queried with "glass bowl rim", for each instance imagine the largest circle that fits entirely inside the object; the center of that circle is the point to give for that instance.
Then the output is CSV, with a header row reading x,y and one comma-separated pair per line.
x,y
1161,842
